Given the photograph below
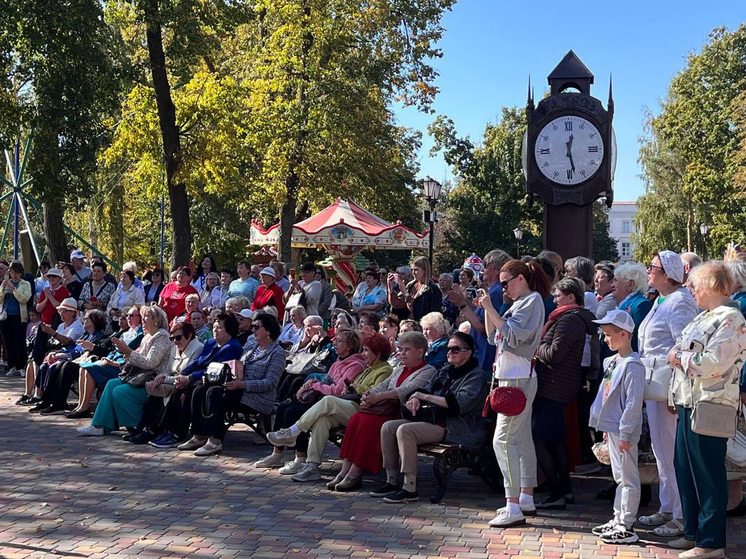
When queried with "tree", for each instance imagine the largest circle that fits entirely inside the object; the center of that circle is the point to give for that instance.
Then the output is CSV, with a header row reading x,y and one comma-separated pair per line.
x,y
60,82
691,157
604,245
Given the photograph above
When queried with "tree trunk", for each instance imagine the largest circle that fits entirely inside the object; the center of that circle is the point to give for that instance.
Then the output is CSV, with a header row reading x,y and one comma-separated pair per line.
x,y
287,218
54,231
180,224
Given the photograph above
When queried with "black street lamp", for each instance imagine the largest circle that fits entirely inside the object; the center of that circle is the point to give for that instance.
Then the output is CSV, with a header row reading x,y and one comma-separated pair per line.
x,y
432,193
704,229
518,236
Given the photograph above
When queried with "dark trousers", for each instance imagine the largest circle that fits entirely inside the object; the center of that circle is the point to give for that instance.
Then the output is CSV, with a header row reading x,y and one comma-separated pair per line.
x,y
40,346
549,429
209,405
60,381
177,416
153,414
14,337
286,414
699,462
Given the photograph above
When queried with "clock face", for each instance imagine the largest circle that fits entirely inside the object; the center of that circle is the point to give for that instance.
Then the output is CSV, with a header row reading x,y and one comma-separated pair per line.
x,y
569,150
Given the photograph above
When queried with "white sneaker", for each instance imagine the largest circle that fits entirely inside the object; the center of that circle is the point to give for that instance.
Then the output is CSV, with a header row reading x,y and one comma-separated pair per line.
x,y
310,472
274,460
605,527
90,431
504,519
293,467
656,519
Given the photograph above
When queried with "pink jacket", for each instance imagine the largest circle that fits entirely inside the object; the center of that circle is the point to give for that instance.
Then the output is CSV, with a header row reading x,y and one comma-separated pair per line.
x,y
340,371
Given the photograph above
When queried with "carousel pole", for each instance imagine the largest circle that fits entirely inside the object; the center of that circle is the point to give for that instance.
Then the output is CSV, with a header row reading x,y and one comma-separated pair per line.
x,y
16,218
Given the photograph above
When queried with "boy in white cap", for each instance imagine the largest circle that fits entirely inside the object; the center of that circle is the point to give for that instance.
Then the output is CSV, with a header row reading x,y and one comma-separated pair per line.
x,y
617,411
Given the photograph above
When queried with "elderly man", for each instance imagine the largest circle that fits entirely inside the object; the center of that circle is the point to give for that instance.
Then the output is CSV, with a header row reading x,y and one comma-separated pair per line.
x,y
690,260
255,271
483,351
603,282
82,272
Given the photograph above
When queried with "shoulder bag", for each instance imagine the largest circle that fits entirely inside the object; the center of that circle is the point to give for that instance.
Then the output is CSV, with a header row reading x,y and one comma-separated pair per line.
x,y
657,379
136,376
506,400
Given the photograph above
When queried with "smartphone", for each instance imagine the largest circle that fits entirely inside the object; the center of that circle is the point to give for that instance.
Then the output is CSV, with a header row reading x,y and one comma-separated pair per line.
x,y
292,273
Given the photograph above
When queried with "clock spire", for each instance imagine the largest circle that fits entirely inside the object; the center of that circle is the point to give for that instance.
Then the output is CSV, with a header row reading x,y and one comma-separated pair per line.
x,y
610,106
530,96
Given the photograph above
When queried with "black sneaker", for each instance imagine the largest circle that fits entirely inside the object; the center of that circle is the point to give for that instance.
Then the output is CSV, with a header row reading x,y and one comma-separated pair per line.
x,y
402,496
143,437
620,535
52,410
40,406
603,528
384,490
23,400
552,503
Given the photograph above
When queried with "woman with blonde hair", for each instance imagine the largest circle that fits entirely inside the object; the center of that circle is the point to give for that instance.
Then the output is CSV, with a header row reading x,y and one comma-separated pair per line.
x,y
707,360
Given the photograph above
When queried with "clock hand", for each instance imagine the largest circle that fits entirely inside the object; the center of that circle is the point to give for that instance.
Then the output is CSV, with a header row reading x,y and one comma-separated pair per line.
x,y
569,153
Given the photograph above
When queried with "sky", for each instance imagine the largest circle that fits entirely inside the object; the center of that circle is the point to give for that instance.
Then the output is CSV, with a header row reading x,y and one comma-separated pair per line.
x,y
491,47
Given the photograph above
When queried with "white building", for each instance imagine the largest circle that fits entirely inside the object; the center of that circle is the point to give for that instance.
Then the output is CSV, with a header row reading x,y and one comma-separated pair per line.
x,y
621,227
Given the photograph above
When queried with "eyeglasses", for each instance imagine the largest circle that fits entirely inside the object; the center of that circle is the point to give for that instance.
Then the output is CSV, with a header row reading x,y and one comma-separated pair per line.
x,y
176,338
504,284
256,327
456,349
650,268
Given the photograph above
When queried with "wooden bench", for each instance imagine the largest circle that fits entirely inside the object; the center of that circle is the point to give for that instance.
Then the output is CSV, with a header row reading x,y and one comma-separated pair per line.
x,y
260,423
449,457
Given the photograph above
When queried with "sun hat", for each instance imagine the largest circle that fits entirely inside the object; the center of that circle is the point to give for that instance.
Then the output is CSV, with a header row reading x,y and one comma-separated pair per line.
x,y
672,265
68,304
54,272
268,272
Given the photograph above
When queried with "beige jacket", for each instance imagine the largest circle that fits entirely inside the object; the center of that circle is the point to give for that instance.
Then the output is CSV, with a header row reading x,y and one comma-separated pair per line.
x,y
154,352
22,294
712,349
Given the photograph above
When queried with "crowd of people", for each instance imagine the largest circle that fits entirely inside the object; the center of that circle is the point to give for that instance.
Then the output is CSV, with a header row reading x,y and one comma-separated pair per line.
x,y
595,351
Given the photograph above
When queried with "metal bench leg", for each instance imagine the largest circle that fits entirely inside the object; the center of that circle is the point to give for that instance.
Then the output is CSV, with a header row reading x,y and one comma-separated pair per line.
x,y
442,472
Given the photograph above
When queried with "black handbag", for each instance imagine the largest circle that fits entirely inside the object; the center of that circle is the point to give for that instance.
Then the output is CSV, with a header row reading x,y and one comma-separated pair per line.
x,y
135,376
426,413
217,374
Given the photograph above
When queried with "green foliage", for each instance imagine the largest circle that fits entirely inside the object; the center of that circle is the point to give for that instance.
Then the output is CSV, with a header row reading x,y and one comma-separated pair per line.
x,y
604,246
691,155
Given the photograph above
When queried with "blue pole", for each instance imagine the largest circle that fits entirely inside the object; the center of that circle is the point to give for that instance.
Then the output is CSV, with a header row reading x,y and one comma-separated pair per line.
x,y
16,219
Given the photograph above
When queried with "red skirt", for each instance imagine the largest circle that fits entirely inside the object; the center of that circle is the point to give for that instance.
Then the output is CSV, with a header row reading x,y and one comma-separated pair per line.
x,y
361,444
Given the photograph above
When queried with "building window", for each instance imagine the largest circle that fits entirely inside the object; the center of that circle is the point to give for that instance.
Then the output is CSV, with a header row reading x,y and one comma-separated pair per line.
x,y
626,226
626,250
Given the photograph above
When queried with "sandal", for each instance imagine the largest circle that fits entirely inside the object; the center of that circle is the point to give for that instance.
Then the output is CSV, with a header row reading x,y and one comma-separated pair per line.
x,y
670,529
656,519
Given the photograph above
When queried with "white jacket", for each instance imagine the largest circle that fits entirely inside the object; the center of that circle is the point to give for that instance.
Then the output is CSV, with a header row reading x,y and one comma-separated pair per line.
x,y
663,325
712,353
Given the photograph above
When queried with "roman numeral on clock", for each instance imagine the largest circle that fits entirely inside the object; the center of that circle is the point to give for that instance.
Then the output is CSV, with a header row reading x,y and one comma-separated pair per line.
x,y
568,126
544,151
592,149
569,174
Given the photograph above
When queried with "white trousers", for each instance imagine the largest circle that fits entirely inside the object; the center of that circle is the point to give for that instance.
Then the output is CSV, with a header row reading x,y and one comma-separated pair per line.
x,y
663,438
627,477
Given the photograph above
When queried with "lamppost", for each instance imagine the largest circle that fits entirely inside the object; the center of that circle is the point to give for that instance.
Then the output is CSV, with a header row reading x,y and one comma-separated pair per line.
x,y
432,193
518,236
704,229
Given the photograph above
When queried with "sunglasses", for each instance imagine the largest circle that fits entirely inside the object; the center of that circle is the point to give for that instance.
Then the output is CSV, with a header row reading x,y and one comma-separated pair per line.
x,y
256,327
650,268
176,338
504,284
456,349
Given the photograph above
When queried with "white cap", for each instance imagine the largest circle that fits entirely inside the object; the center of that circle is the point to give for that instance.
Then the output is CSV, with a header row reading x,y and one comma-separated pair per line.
x,y
54,272
618,318
247,313
77,253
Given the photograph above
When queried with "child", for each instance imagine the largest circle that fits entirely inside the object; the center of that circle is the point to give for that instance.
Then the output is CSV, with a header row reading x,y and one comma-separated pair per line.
x,y
617,411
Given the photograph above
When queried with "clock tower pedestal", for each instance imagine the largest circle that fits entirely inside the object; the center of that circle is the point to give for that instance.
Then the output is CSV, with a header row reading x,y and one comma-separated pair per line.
x,y
568,230
569,155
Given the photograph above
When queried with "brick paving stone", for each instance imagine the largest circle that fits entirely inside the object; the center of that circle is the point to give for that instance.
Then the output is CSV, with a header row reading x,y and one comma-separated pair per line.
x,y
62,495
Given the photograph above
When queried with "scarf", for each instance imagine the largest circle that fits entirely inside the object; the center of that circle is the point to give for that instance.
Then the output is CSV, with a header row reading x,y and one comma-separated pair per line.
x,y
555,316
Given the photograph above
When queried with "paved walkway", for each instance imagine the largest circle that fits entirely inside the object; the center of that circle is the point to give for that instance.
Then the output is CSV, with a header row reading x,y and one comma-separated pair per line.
x,y
62,495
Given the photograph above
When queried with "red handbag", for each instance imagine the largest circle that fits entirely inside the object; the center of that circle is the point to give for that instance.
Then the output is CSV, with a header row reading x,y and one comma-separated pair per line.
x,y
506,400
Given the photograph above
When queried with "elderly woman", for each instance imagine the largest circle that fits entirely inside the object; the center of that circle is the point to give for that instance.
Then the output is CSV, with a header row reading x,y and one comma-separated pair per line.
x,y
342,320
172,299
223,347
368,324
436,330
630,286
212,281
559,374
127,295
448,408
97,373
369,295
94,323
292,332
186,349
263,363
361,446
335,411
517,334
672,311
344,370
707,360
269,294
15,292
123,397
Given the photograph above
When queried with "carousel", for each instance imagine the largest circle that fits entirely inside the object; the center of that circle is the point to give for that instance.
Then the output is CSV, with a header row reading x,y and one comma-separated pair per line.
x,y
343,230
